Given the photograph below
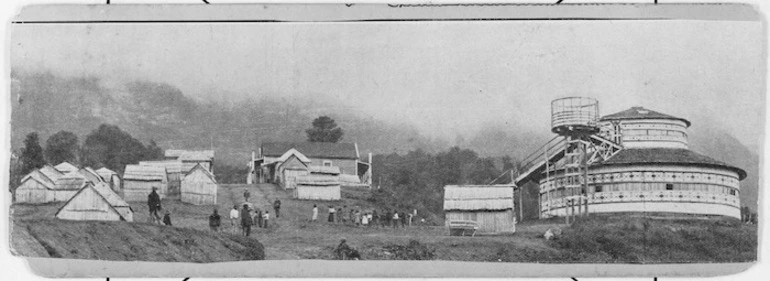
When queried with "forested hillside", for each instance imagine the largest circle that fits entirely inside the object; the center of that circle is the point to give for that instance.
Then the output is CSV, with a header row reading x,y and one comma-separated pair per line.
x,y
150,110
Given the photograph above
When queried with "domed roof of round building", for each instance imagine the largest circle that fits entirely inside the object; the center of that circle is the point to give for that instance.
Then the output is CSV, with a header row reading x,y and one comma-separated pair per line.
x,y
674,156
639,112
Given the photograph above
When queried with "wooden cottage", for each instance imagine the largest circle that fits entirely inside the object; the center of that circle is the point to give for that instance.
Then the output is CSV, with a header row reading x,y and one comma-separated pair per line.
x,y
96,202
38,186
342,155
321,184
290,166
66,167
192,157
199,187
139,180
110,177
489,208
175,170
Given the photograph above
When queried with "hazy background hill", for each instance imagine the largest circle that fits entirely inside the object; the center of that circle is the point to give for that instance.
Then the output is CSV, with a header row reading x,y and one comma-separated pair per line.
x,y
148,110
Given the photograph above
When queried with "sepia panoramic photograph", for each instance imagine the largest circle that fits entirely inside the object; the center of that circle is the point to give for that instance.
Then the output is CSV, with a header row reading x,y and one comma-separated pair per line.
x,y
549,141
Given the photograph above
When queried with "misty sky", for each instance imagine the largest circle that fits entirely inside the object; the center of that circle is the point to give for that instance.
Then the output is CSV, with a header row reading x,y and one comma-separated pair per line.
x,y
446,78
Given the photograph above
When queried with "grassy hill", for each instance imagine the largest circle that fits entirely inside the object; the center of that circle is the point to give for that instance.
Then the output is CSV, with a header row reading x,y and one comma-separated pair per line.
x,y
128,242
624,238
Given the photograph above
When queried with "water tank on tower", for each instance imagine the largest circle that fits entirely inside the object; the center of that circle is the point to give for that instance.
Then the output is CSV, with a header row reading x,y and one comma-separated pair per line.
x,y
575,116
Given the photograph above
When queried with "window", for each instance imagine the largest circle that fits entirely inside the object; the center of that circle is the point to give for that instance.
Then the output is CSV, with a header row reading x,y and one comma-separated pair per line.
x,y
598,188
327,163
732,191
669,186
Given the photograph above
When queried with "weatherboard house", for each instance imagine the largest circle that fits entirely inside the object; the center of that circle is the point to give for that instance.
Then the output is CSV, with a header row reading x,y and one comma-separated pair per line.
x,y
266,162
199,187
636,160
487,207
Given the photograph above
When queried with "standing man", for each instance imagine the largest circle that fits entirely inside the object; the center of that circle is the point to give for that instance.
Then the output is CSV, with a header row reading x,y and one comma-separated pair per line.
x,y
395,219
277,208
234,218
246,195
388,217
153,202
246,221
215,221
315,213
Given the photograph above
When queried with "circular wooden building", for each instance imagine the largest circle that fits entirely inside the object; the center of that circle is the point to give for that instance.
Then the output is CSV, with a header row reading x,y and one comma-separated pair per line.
x,y
652,171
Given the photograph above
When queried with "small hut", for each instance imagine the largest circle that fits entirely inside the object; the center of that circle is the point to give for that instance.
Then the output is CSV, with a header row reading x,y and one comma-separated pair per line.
x,y
489,207
290,166
175,170
139,180
110,177
321,184
96,202
66,167
38,186
199,187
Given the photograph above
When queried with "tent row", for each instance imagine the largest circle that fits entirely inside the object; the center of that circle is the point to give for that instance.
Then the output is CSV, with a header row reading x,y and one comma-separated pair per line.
x,y
57,184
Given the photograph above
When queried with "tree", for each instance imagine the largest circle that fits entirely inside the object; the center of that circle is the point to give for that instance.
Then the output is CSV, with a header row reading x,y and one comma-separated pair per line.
x,y
111,147
153,151
32,154
61,147
324,130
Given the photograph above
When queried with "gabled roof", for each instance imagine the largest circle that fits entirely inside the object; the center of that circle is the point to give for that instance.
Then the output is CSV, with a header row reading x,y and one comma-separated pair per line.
x,y
91,175
190,155
639,112
199,168
38,176
66,167
330,170
50,172
106,193
673,156
105,173
70,181
312,149
172,166
144,173
478,197
295,153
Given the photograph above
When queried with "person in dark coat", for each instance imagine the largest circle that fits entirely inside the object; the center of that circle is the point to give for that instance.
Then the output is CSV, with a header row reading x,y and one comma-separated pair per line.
x,y
375,218
258,218
277,208
153,202
388,217
402,217
215,221
246,221
167,219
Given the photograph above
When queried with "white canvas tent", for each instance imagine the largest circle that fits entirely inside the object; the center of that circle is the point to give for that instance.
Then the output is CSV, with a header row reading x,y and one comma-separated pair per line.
x,y
96,202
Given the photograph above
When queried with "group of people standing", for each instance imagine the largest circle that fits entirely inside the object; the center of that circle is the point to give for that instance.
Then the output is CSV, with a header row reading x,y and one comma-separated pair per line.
x,y
244,219
247,217
359,217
